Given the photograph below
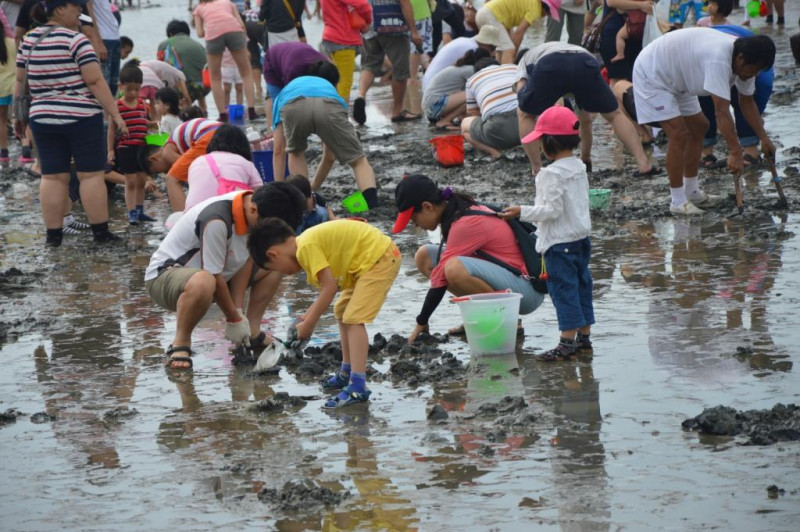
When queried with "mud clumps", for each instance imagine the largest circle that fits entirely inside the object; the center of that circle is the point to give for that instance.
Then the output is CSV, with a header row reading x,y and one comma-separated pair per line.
x,y
413,372
437,413
14,279
302,495
511,415
278,403
9,416
115,416
757,427
42,417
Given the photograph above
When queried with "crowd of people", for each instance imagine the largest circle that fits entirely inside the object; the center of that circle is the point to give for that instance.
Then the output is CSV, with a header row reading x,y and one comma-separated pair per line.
x,y
462,68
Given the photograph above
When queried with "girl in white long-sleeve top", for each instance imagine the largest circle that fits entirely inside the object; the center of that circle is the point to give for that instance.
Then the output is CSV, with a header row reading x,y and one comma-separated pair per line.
x,y
561,214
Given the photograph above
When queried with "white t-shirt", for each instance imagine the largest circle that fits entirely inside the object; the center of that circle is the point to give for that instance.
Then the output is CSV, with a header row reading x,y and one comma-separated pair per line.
x,y
210,236
492,90
695,61
104,19
535,54
447,56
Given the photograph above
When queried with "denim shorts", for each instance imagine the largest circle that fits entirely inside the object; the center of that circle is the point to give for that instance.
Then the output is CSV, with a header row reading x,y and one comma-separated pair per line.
x,y
82,141
434,112
570,283
497,277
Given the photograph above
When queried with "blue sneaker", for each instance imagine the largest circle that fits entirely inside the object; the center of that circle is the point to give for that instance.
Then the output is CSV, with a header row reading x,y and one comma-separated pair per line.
x,y
336,382
347,397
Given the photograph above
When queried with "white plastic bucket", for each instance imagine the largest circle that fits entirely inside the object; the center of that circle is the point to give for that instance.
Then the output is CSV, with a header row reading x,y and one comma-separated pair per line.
x,y
490,321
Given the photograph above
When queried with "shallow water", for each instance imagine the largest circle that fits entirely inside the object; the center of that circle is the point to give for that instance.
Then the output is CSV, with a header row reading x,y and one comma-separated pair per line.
x,y
690,315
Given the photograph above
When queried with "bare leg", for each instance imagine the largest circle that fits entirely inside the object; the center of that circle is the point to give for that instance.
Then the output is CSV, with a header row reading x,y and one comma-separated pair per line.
x,y
298,164
242,58
532,149
364,175
324,167
585,120
94,196
678,137
53,188
358,345
625,130
697,125
215,68
279,153
465,126
423,261
398,92
193,303
345,343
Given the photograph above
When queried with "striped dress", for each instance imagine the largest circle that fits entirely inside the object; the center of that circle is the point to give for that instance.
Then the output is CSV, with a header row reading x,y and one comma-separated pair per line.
x,y
60,95
135,119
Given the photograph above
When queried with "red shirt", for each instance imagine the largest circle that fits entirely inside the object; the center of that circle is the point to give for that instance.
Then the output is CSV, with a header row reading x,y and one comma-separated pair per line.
x,y
469,234
336,20
135,119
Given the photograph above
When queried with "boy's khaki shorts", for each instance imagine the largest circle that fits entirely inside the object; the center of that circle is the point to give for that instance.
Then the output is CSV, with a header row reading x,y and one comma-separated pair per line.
x,y
362,303
165,289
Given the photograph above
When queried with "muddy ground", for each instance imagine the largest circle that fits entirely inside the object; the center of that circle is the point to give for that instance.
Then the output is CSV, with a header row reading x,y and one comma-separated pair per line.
x,y
691,315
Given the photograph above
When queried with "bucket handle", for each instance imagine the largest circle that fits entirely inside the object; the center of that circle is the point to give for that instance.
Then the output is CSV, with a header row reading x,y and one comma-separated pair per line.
x,y
461,299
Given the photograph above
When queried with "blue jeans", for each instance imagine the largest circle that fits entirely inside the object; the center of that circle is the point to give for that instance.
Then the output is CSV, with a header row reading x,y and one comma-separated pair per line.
x,y
747,137
570,283
111,65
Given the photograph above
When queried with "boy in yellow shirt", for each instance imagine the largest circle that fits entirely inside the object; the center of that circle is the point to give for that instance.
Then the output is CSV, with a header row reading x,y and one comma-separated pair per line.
x,y
343,254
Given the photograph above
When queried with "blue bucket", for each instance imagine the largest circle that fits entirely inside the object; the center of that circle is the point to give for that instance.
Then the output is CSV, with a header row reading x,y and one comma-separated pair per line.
x,y
236,114
263,161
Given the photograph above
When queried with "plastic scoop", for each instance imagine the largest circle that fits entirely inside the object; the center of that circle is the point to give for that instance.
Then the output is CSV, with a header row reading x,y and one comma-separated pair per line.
x,y
270,356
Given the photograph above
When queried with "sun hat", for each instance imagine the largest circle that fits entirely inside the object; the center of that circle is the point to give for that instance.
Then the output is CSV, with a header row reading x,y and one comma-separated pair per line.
x,y
410,194
554,6
556,120
488,35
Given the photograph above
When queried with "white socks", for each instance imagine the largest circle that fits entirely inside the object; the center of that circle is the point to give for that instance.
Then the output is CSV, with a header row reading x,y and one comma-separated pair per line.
x,y
691,188
678,196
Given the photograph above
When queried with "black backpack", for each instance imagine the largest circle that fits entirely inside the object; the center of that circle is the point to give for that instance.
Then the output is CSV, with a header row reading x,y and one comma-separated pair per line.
x,y
526,240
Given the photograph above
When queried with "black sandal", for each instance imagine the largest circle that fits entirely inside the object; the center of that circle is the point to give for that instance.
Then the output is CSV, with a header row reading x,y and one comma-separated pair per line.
x,y
180,358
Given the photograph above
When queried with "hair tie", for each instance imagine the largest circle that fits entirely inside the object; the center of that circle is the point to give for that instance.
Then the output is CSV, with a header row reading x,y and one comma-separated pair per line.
x,y
447,194
576,126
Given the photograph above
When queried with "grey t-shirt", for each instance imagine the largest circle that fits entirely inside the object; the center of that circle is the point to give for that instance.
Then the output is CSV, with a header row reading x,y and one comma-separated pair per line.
x,y
451,79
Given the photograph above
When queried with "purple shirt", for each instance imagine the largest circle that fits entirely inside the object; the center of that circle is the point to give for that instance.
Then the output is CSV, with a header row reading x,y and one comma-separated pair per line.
x,y
286,61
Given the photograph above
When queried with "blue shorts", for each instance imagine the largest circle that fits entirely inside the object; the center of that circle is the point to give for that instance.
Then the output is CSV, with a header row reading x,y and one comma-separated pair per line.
x,y
7,100
570,283
497,277
434,112
82,141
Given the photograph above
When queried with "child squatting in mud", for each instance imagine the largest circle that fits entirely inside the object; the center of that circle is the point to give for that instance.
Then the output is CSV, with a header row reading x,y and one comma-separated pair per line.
x,y
343,254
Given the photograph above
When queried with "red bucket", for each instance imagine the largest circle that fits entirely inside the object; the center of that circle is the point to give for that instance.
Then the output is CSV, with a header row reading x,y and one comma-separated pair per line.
x,y
449,150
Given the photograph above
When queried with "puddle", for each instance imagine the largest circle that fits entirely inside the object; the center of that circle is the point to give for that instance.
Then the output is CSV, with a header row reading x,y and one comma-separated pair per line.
x,y
690,315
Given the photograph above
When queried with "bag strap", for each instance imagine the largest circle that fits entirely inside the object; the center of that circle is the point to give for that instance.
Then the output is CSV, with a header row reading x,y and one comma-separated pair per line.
x,y
492,258
213,165
36,43
291,12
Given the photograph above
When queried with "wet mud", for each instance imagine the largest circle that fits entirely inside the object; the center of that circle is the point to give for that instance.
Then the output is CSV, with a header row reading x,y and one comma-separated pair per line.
x,y
754,427
690,313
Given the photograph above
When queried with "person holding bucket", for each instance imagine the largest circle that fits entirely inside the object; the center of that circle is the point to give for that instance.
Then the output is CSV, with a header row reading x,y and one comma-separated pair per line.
x,y
456,265
561,212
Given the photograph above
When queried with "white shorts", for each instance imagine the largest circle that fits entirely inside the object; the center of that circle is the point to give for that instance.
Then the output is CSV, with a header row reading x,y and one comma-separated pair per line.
x,y
654,101
231,75
425,30
484,17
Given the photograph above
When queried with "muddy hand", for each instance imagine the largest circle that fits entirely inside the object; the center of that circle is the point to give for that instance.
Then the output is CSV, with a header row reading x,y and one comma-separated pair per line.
x,y
419,329
768,149
735,163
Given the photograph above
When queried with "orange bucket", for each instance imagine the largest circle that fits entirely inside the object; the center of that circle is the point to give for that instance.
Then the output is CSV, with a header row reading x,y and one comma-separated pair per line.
x,y
449,150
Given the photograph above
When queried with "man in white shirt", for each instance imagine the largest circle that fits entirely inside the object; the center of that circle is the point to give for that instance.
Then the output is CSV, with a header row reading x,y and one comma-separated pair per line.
x,y
108,28
672,72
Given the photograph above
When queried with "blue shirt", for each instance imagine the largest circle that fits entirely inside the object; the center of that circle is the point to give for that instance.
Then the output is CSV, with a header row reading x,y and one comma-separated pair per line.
x,y
303,87
312,218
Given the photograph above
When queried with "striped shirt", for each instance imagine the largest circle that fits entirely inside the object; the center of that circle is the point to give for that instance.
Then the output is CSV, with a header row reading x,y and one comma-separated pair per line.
x,y
60,95
491,90
189,132
135,119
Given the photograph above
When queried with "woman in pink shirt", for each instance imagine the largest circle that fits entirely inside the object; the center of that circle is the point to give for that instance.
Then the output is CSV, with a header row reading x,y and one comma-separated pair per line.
x,y
226,167
219,22
459,267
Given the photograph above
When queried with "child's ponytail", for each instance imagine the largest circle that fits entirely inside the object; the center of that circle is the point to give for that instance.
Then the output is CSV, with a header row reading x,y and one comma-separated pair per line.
x,y
457,205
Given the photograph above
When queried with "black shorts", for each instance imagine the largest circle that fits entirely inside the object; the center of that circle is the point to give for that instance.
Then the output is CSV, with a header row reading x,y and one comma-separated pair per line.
x,y
558,74
128,159
82,142
608,49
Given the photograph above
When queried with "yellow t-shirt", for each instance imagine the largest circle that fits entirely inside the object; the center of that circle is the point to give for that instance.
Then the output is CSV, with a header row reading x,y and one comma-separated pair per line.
x,y
511,12
8,72
348,247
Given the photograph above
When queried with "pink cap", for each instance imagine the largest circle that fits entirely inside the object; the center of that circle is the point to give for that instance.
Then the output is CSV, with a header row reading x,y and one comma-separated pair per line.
x,y
556,120
554,6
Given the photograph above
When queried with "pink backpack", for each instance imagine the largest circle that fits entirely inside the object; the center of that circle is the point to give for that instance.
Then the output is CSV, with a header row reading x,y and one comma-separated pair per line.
x,y
224,185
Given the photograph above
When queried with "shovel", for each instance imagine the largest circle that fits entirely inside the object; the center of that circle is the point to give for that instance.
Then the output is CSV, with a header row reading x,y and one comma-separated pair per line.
x,y
782,203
